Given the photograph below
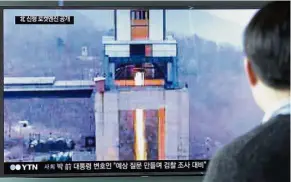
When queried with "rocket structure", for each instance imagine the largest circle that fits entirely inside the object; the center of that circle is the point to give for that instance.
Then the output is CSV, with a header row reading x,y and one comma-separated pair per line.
x,y
143,112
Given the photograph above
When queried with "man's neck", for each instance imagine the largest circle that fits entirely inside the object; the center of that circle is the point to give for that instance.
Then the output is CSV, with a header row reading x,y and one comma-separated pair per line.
x,y
278,103
275,99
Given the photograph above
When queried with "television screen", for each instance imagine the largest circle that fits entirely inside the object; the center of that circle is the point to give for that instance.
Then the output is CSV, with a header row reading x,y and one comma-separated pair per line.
x,y
122,91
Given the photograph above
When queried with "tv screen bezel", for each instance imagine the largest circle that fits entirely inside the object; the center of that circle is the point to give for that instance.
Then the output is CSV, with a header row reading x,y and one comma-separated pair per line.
x,y
85,5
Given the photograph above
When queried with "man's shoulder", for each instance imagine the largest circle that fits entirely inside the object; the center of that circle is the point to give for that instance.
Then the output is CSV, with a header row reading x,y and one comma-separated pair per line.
x,y
275,130
254,154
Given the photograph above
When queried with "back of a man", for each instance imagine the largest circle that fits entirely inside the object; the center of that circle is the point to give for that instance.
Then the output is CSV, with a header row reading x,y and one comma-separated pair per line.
x,y
263,154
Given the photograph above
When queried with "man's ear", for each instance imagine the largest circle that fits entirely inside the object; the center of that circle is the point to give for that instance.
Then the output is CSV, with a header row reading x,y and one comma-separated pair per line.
x,y
251,76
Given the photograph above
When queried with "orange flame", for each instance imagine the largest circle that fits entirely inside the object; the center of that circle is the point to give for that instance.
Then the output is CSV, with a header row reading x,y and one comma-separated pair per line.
x,y
161,135
140,147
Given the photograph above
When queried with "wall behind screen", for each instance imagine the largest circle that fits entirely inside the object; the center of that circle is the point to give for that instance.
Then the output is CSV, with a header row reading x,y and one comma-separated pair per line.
x,y
111,179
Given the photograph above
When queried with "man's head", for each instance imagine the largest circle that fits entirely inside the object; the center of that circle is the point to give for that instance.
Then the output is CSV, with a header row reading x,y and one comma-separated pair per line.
x,y
267,48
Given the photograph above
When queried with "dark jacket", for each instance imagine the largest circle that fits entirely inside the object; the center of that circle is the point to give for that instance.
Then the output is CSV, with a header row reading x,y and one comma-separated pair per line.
x,y
261,155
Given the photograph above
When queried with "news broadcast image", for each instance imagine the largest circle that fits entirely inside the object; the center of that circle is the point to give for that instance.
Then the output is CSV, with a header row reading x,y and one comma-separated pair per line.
x,y
124,84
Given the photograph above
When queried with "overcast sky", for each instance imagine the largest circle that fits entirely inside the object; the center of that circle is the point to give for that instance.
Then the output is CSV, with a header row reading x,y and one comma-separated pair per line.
x,y
223,26
241,17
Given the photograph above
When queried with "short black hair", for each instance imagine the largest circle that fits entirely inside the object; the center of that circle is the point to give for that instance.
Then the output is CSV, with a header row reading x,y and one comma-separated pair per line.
x,y
267,44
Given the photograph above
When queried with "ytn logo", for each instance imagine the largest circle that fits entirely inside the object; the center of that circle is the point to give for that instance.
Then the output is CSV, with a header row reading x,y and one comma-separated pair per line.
x,y
24,167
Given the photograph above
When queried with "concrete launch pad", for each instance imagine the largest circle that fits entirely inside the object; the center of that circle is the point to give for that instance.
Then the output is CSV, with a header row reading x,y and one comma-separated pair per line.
x,y
173,132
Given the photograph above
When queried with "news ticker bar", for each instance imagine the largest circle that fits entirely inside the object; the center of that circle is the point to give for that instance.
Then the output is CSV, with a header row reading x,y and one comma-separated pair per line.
x,y
107,167
43,20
